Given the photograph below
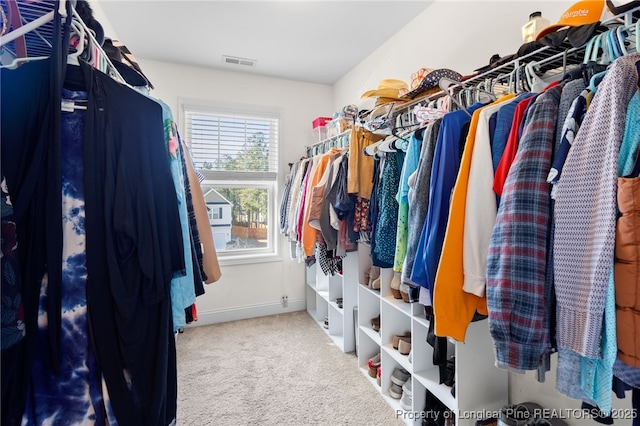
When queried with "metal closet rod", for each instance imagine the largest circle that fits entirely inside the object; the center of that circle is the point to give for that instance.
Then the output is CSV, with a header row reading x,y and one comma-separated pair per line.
x,y
328,140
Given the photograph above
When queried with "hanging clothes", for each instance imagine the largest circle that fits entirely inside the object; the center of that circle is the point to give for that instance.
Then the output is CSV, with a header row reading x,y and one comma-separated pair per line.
x,y
446,162
409,166
460,278
74,395
419,199
516,266
590,173
383,252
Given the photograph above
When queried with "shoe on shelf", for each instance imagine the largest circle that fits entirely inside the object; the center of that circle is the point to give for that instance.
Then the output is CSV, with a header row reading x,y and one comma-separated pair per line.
x,y
404,293
373,364
395,391
339,302
375,323
404,346
379,376
375,284
407,388
407,397
395,286
400,376
374,274
396,339
365,277
326,323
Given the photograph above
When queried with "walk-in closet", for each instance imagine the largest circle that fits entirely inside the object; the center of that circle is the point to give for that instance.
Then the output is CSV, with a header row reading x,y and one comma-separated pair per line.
x,y
320,213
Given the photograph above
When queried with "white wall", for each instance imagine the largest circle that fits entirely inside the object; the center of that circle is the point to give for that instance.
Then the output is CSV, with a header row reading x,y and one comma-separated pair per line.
x,y
460,35
252,289
463,35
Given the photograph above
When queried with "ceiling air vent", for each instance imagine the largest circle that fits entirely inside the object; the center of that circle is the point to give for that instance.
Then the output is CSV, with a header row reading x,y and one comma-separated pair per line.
x,y
233,60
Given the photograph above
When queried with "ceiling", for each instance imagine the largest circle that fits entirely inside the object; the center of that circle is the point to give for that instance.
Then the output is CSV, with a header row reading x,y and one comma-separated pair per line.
x,y
303,40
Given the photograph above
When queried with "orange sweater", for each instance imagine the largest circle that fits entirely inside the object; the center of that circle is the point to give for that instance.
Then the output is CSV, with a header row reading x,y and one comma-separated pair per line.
x,y
453,307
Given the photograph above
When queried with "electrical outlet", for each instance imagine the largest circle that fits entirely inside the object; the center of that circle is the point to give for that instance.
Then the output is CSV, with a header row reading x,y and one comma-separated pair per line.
x,y
285,301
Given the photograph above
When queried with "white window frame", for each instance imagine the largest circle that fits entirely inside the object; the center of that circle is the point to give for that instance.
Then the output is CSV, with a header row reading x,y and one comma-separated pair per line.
x,y
233,180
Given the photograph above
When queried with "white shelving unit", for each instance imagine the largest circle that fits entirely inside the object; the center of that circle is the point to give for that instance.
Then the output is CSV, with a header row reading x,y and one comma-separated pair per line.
x,y
322,294
479,385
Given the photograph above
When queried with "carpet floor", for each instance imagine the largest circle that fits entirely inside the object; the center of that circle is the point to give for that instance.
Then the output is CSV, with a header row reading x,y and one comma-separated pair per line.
x,y
275,370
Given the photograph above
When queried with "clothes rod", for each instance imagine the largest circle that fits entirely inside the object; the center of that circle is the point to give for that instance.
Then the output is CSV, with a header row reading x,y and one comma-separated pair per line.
x,y
332,138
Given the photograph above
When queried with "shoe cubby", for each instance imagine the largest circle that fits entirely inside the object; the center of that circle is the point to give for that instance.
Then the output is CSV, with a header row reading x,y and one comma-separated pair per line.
x,y
421,351
394,322
368,309
478,383
368,349
324,293
312,303
388,367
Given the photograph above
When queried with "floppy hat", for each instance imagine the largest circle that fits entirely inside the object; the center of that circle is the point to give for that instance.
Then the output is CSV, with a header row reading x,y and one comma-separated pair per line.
x,y
430,81
588,12
389,88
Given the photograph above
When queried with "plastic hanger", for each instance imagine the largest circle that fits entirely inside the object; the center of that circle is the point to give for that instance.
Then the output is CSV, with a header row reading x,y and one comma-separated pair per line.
x,y
445,85
613,45
17,61
595,79
77,30
622,34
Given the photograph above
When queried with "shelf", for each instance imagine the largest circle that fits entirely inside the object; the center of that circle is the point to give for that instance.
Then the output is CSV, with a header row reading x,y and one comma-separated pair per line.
x,y
312,313
371,291
399,304
371,333
372,380
430,379
403,360
336,308
422,320
324,294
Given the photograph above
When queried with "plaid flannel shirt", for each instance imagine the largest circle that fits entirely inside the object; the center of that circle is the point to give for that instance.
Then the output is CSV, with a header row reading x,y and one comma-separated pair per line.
x,y
517,261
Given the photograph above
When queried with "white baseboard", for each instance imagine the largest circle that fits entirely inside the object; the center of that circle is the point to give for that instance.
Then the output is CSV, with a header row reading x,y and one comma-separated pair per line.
x,y
246,312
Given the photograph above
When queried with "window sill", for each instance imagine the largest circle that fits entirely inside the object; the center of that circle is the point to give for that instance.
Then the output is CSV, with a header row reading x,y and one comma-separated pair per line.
x,y
248,259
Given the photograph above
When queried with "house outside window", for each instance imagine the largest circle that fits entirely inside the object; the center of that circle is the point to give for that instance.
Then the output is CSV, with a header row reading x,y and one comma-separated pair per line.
x,y
236,149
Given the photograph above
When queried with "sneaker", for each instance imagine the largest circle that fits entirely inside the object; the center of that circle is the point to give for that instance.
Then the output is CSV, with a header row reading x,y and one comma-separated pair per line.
x,y
379,377
407,388
406,401
395,391
326,323
400,376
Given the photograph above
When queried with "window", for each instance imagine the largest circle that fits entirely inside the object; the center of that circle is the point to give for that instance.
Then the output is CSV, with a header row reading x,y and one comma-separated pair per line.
x,y
216,213
236,149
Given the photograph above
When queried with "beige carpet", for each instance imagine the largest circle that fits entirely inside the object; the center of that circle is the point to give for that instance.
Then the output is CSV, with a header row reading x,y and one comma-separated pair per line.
x,y
276,370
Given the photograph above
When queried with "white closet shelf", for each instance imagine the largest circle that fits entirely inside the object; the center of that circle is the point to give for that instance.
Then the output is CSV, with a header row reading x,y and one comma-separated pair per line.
x,y
430,379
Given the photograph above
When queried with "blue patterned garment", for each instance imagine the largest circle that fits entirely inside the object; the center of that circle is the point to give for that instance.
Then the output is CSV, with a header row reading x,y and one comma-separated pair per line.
x,y
384,250
13,328
74,397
